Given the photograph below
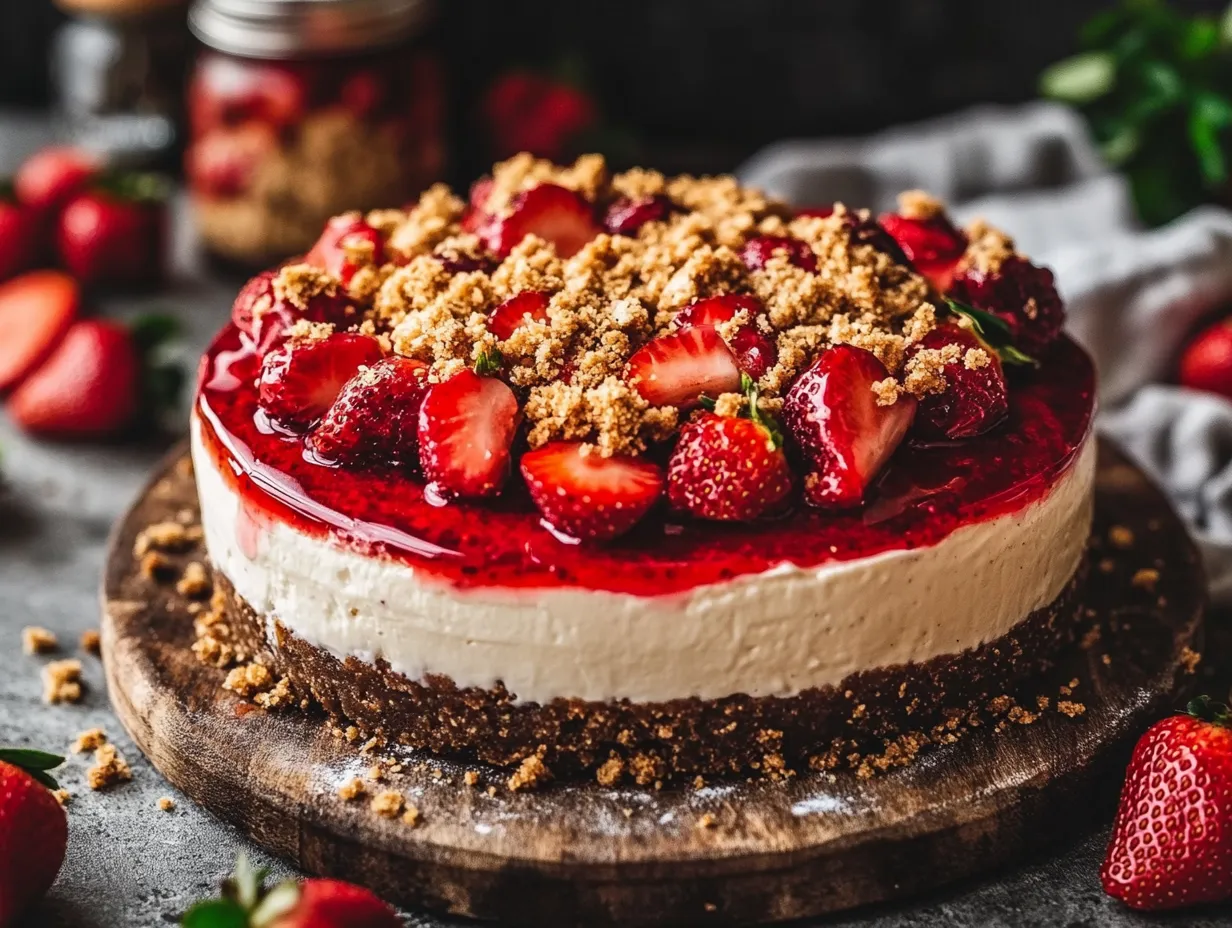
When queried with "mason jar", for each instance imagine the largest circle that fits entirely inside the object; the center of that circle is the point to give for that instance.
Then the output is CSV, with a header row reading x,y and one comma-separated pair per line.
x,y
302,109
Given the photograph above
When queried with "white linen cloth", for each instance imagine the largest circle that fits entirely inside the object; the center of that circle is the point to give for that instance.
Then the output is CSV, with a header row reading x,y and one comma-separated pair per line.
x,y
1133,296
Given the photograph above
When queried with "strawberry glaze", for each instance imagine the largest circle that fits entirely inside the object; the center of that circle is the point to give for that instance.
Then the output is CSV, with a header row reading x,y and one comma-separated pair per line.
x,y
927,492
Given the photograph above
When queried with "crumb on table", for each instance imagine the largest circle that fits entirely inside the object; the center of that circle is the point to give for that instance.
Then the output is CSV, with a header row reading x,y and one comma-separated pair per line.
x,y
194,583
91,642
388,803
89,740
109,768
37,640
62,796
530,773
352,789
62,681
166,804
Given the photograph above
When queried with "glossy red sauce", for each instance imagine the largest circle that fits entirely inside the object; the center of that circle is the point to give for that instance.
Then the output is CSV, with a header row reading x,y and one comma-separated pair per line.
x,y
926,493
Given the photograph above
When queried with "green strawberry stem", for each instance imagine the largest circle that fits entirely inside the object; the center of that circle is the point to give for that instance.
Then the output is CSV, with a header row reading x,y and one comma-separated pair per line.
x,y
994,332
748,386
162,376
489,363
35,763
135,187
1206,709
245,902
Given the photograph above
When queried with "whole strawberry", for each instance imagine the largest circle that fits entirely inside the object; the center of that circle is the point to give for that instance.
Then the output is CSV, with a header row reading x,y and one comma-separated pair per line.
x,y
21,235
1023,295
313,903
1206,362
33,829
1172,842
975,398
115,234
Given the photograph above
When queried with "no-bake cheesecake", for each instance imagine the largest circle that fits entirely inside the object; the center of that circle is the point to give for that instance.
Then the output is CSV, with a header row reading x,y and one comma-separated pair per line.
x,y
648,477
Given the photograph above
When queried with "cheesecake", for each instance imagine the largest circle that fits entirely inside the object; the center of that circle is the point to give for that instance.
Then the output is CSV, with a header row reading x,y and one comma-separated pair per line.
x,y
645,478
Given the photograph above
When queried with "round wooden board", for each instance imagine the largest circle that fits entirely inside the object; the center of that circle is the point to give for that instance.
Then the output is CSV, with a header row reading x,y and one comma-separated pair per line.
x,y
581,854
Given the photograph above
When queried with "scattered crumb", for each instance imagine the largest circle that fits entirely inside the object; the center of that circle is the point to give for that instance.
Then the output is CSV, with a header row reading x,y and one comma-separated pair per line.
x,y
166,804
1145,579
491,790
411,816
532,772
470,778
162,536
707,820
1107,659
352,734
1190,659
354,788
1119,536
90,740
194,583
109,768
1072,709
157,567
62,681
36,640
1107,565
62,796
388,803
248,680
91,641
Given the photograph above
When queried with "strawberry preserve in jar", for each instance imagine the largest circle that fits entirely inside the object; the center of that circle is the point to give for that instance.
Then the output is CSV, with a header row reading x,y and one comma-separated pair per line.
x,y
302,109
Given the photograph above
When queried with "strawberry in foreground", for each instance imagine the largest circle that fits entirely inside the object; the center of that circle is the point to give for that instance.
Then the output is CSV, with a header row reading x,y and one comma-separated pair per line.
x,y
1172,842
584,496
21,236
755,352
33,829
115,233
314,903
832,413
301,378
626,215
466,429
678,368
375,417
555,214
933,245
1206,363
36,310
728,468
975,399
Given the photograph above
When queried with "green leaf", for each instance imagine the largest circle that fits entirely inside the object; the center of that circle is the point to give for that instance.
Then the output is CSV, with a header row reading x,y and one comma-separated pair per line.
x,y
162,375
489,363
216,913
1099,29
246,883
1122,145
995,333
1225,26
748,386
154,330
1080,79
29,759
1201,38
1204,139
1162,81
138,187
278,901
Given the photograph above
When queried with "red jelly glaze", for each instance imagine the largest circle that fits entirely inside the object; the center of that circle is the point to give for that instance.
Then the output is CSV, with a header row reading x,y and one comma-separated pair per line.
x,y
928,491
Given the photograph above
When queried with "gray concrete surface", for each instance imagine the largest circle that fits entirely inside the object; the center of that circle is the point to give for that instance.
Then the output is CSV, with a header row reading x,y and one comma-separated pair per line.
x,y
130,864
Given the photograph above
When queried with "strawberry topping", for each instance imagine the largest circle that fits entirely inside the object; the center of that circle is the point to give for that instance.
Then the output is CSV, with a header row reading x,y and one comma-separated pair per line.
x,y
933,245
555,214
758,251
301,378
375,419
975,399
527,305
466,429
344,234
755,352
1023,295
626,215
678,368
727,469
265,319
585,496
832,413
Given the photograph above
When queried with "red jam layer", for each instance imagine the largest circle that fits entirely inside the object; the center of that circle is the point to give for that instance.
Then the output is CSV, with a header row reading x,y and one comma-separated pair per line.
x,y
926,493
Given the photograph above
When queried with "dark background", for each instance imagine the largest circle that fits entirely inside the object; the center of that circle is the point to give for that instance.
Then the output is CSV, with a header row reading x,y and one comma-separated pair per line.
x,y
706,82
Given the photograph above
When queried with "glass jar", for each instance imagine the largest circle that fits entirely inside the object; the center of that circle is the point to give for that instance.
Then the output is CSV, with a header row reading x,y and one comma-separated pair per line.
x,y
118,67
303,109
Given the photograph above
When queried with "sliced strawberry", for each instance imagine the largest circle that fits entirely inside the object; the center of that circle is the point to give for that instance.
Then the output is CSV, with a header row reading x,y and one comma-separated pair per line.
x,y
36,310
49,178
301,378
258,290
480,192
626,215
832,413
678,368
265,320
975,399
758,251
466,429
341,234
588,497
375,419
88,387
512,313
727,469
933,245
555,214
755,352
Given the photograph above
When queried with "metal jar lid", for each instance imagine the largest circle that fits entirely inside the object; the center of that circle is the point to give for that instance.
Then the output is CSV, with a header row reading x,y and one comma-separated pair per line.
x,y
274,29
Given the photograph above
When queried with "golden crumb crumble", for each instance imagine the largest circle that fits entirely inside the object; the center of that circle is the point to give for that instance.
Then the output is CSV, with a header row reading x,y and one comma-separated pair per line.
x,y
532,772
1072,709
194,582
91,642
62,796
917,204
1120,536
388,803
352,789
1145,578
471,777
62,681
36,640
166,804
1190,659
163,536
90,740
987,249
109,768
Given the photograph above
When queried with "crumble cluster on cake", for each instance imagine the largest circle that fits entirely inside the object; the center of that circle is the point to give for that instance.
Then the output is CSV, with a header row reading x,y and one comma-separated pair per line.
x,y
593,319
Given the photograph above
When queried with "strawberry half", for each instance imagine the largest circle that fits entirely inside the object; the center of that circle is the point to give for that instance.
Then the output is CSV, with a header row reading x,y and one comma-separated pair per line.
x,y
758,251
832,413
36,310
934,246
343,233
515,311
1172,842
678,368
626,215
264,319
301,378
727,469
466,429
755,352
555,214
584,496
375,418
974,400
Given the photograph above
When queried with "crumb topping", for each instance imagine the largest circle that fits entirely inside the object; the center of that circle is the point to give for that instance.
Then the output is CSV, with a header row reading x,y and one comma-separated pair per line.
x,y
987,249
916,204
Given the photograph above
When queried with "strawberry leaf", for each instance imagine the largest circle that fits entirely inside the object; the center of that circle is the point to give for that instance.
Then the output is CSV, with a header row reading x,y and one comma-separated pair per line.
x,y
216,913
995,332
162,375
489,363
749,387
35,763
1205,708
135,187
277,902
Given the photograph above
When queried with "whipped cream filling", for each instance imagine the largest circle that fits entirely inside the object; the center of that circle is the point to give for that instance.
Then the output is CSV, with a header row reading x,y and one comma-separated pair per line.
x,y
770,634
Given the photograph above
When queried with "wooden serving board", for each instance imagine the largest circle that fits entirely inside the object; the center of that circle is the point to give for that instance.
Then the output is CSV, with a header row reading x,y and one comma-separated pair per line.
x,y
581,854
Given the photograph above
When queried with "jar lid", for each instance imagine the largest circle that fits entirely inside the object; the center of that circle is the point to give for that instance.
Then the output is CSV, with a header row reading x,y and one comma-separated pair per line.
x,y
294,28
